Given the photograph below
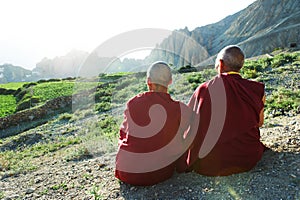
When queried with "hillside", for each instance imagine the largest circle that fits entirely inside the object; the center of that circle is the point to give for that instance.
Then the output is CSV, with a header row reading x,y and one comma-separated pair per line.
x,y
71,154
11,73
260,28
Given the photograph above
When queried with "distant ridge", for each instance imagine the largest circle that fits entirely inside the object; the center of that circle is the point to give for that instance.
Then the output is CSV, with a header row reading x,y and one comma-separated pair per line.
x,y
11,73
260,28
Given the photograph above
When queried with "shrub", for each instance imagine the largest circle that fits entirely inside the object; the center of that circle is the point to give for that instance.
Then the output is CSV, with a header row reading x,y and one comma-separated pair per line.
x,y
27,85
187,69
251,69
195,77
283,58
103,106
282,101
19,94
65,117
28,103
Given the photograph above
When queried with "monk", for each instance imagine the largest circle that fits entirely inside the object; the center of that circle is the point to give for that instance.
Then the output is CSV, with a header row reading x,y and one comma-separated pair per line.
x,y
152,135
231,111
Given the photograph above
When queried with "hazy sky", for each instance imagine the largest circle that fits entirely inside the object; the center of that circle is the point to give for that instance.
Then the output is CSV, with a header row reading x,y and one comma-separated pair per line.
x,y
34,29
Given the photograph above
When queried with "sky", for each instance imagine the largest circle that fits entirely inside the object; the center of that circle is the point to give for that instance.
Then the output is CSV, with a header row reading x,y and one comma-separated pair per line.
x,y
34,29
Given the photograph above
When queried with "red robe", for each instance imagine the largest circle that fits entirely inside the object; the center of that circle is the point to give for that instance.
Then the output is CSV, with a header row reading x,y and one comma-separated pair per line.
x,y
151,142
229,108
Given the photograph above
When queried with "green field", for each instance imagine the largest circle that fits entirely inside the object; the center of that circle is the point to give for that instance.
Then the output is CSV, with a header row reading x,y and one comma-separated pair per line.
x,y
7,105
51,90
13,86
42,91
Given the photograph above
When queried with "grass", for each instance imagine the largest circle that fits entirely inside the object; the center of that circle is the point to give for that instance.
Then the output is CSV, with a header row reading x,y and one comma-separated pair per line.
x,y
87,132
13,85
80,141
51,90
1,194
7,105
18,161
62,186
37,93
95,191
282,101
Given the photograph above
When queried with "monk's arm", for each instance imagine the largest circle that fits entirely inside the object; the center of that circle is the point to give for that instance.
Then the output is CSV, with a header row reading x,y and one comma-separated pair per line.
x,y
261,114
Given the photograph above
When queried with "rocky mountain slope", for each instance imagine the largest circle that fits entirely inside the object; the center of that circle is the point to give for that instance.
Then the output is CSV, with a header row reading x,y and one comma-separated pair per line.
x,y
260,28
60,66
11,73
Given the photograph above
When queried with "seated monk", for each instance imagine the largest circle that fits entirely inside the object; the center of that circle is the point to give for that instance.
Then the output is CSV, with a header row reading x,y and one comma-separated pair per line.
x,y
231,111
152,135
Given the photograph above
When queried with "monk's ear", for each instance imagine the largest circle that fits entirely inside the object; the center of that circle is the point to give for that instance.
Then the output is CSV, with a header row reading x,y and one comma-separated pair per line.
x,y
148,81
221,66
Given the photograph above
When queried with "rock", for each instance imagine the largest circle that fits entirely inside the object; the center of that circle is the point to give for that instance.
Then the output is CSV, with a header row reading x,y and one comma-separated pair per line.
x,y
12,197
30,190
89,170
252,28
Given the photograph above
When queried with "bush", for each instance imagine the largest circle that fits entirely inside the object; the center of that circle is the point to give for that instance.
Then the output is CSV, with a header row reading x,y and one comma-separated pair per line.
x,y
4,91
65,117
27,85
20,93
195,77
28,103
283,58
102,106
187,69
282,101
251,69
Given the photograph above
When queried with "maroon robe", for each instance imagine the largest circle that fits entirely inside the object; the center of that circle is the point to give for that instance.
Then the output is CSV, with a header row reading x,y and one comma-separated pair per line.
x,y
148,154
237,147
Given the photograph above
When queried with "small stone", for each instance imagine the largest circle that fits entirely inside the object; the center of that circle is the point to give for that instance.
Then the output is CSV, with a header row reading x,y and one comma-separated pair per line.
x,y
89,170
132,188
292,175
101,165
30,190
14,196
38,181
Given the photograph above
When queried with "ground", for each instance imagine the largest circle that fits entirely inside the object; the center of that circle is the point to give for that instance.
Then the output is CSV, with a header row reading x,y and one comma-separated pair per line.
x,y
277,175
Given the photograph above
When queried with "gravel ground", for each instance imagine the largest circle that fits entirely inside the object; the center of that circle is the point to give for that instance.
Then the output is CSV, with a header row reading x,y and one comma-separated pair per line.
x,y
277,176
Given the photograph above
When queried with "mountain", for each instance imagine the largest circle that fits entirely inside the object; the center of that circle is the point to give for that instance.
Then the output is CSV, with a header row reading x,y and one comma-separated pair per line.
x,y
61,66
73,64
260,28
80,63
11,73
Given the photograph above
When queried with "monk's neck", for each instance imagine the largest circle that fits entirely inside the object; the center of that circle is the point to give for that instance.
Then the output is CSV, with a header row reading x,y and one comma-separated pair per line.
x,y
164,90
